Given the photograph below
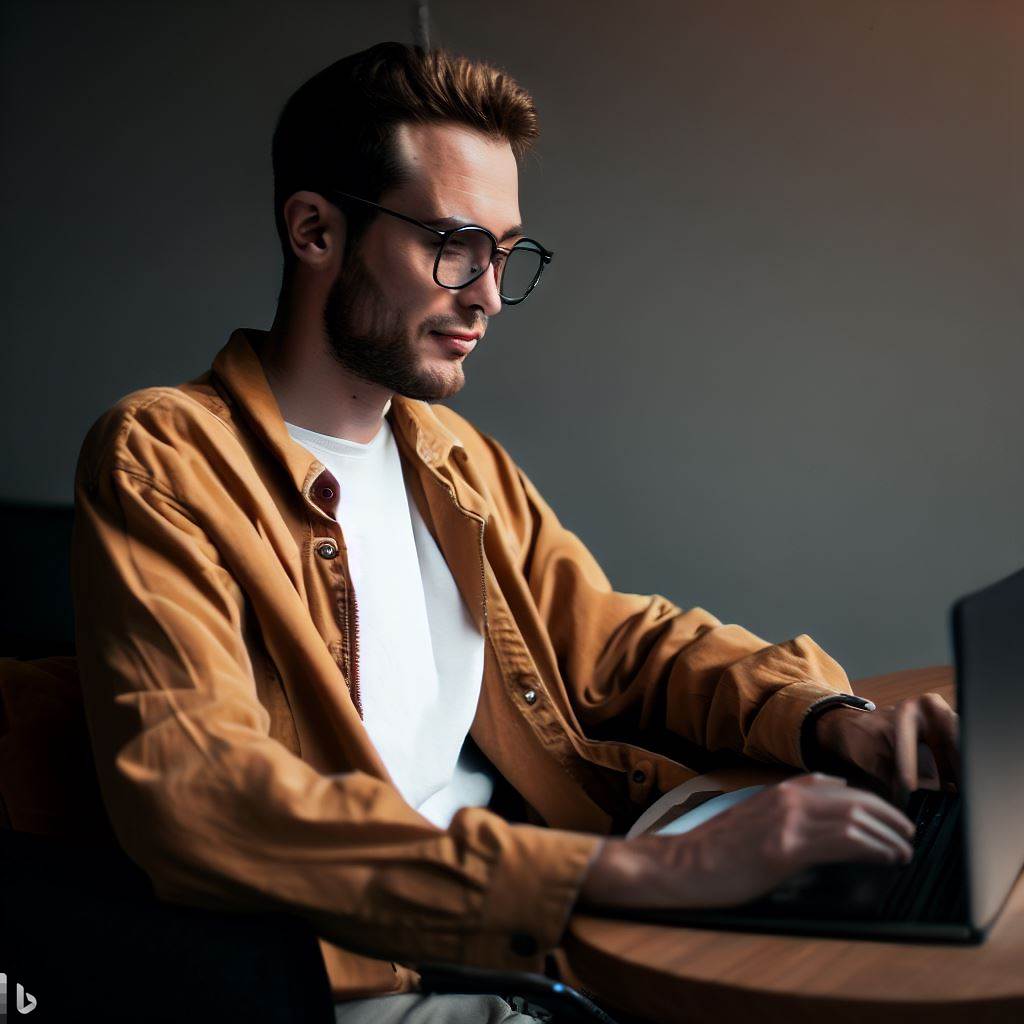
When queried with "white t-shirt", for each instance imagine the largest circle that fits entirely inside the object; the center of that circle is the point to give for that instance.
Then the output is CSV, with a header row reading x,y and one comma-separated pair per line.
x,y
421,655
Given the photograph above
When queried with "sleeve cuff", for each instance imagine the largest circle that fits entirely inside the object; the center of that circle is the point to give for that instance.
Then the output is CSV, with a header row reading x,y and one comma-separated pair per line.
x,y
534,887
775,734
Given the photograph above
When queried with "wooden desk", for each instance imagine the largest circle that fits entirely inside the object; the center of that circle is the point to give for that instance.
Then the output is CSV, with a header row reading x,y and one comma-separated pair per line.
x,y
669,974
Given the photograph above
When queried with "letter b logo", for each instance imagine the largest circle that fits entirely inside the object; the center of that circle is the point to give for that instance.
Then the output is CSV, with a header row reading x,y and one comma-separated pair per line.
x,y
26,1001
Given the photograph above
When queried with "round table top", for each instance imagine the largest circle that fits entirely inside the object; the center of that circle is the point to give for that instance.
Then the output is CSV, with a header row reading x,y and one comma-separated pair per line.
x,y
674,973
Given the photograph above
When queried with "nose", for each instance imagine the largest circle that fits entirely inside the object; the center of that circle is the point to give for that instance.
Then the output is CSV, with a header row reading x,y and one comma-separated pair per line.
x,y
482,292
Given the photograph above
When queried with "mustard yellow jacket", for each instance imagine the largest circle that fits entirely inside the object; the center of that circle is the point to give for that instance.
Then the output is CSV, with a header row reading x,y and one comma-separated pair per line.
x,y
217,640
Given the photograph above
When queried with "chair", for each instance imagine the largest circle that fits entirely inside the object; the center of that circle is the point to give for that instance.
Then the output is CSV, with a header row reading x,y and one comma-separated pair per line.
x,y
87,937
81,928
83,931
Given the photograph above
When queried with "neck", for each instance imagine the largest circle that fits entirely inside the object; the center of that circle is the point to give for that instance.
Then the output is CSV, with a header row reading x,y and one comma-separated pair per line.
x,y
312,389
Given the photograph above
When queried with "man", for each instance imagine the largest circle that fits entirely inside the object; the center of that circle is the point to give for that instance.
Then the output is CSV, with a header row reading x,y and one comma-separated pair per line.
x,y
338,654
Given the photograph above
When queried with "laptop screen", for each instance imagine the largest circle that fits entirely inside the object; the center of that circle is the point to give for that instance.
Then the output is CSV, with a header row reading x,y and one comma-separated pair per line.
x,y
988,643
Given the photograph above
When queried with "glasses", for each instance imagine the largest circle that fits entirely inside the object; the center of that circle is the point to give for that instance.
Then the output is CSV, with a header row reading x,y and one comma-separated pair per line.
x,y
465,252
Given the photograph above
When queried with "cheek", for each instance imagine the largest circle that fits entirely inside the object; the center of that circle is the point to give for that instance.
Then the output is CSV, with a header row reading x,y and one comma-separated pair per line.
x,y
415,296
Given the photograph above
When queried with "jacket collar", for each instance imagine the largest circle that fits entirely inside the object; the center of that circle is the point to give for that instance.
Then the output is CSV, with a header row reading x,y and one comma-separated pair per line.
x,y
241,373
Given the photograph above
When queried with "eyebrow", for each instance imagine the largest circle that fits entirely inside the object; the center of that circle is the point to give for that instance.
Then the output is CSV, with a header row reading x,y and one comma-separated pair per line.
x,y
458,222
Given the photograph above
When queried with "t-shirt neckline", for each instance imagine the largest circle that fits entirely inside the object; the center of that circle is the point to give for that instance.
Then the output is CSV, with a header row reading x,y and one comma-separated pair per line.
x,y
341,445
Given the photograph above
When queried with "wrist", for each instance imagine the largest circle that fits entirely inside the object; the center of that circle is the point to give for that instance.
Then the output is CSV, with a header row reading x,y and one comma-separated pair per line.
x,y
650,871
617,876
604,875
821,731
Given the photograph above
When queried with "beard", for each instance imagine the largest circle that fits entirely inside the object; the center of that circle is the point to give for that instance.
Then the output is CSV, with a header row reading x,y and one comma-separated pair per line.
x,y
369,338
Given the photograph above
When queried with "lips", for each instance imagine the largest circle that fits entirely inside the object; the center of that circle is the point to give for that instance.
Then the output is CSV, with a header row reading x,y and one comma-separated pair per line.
x,y
456,344
457,334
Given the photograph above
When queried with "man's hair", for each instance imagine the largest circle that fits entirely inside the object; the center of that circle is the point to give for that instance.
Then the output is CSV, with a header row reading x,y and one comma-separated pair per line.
x,y
337,129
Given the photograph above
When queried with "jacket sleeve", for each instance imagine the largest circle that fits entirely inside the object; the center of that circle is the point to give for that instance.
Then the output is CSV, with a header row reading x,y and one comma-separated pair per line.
x,y
631,658
221,815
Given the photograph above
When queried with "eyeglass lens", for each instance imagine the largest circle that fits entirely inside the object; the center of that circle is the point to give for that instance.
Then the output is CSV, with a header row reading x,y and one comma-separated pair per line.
x,y
465,252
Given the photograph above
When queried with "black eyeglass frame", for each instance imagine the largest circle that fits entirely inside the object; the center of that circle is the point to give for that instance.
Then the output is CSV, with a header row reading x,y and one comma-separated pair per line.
x,y
444,235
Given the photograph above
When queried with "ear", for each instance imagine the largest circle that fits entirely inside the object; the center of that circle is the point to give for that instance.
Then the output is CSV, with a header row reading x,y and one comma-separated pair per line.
x,y
316,230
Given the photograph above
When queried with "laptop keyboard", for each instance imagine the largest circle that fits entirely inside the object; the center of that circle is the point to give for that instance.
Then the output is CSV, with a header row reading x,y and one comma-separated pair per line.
x,y
930,888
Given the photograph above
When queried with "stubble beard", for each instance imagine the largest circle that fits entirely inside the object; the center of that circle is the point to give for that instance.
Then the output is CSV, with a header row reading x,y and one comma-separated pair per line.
x,y
382,353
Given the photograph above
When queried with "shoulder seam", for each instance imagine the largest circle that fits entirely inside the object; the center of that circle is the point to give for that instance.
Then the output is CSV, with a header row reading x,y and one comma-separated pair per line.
x,y
168,391
129,419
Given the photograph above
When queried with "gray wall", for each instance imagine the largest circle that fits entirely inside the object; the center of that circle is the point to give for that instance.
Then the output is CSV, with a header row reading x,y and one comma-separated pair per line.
x,y
776,367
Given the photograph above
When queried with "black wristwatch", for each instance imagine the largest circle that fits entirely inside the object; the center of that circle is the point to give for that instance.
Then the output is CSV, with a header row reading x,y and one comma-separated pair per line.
x,y
813,758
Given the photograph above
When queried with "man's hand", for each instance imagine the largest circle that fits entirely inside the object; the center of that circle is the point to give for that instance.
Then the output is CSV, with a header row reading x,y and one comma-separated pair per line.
x,y
914,744
749,849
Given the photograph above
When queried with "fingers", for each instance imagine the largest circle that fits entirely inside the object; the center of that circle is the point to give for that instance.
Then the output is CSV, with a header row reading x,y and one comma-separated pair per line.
x,y
855,843
840,802
907,721
926,743
896,838
884,811
941,731
858,825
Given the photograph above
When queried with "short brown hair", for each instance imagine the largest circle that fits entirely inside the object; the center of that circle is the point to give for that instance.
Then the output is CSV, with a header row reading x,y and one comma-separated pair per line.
x,y
337,129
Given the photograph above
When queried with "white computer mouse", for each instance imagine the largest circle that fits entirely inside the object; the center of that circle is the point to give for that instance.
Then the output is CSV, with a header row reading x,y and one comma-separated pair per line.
x,y
707,810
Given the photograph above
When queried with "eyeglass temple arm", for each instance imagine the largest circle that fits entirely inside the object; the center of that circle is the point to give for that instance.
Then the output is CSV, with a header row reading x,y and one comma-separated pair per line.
x,y
546,254
384,209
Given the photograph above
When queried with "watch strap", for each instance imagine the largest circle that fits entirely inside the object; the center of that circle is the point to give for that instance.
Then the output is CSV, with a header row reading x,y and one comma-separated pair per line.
x,y
813,757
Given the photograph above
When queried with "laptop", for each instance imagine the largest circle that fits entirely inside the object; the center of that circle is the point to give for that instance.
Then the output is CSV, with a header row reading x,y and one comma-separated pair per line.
x,y
969,845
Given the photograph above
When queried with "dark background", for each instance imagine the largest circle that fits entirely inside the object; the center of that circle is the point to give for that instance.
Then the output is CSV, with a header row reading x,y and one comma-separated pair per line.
x,y
776,367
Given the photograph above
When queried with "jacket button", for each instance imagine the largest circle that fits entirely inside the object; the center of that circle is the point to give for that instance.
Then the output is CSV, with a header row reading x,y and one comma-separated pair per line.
x,y
523,944
328,549
530,696
326,493
639,776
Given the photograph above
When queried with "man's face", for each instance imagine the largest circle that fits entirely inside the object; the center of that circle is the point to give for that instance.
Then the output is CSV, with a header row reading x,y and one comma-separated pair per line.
x,y
384,306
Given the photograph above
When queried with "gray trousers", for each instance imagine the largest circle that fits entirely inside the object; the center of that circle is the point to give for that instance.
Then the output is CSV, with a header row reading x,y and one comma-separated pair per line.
x,y
415,1008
